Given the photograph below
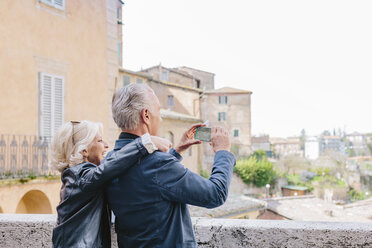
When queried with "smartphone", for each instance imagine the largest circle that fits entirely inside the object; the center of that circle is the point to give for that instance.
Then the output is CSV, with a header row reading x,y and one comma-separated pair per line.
x,y
203,134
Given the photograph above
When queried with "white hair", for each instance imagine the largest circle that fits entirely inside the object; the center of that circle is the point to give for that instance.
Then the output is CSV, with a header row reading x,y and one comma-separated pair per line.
x,y
70,140
127,104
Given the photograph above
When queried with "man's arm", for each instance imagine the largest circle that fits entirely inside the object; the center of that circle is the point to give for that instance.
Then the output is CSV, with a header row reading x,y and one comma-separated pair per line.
x,y
178,184
119,162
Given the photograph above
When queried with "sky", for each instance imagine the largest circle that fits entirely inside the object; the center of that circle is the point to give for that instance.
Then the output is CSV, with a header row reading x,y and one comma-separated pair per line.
x,y
308,63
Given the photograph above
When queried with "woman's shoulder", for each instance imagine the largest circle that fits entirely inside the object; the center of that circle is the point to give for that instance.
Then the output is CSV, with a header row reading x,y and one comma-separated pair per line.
x,y
78,169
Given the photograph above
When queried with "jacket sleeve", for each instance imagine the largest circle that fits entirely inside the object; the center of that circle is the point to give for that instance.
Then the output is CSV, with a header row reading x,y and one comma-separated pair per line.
x,y
117,163
179,184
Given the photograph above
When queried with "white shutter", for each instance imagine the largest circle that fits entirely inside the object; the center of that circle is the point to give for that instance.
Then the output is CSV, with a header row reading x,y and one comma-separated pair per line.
x,y
59,4
45,105
58,103
47,2
51,104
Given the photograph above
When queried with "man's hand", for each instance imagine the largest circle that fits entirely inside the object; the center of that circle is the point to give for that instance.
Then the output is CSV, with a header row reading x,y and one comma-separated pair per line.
x,y
162,144
220,139
187,139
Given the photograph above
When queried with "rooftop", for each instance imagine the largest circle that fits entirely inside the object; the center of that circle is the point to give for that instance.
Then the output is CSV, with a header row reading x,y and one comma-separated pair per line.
x,y
150,78
194,69
310,208
229,90
234,205
166,113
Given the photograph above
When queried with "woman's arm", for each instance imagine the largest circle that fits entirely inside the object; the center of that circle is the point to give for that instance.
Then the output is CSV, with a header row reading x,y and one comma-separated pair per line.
x,y
93,178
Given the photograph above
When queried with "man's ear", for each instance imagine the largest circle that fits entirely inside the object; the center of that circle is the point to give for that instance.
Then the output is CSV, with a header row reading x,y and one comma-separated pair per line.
x,y
145,114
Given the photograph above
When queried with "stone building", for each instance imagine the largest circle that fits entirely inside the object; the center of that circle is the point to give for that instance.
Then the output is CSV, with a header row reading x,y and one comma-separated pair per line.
x,y
229,108
283,147
57,60
226,107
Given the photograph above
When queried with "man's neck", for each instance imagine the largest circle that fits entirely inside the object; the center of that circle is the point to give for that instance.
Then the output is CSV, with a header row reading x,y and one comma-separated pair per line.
x,y
138,131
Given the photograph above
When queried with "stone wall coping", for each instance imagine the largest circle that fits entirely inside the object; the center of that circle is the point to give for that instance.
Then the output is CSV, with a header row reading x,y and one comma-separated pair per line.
x,y
283,224
28,218
35,230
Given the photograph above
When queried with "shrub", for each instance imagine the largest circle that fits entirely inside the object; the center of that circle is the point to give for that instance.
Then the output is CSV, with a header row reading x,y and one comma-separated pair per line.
x,y
259,172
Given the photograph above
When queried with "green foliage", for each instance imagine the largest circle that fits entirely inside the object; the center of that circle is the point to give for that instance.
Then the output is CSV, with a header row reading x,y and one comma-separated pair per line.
x,y
296,180
260,155
204,173
351,152
356,195
321,171
369,145
256,169
366,166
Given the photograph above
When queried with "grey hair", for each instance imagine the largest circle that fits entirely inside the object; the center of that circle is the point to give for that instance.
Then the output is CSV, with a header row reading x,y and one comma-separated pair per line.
x,y
127,104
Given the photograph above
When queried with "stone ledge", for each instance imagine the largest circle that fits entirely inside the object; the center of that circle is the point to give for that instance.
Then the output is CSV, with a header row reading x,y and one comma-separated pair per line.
x,y
35,230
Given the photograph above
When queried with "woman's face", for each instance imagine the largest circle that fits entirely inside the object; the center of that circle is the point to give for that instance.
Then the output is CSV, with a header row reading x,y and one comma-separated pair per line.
x,y
97,150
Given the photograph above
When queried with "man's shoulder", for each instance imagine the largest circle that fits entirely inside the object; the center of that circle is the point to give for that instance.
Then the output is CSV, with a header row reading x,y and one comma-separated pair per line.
x,y
159,156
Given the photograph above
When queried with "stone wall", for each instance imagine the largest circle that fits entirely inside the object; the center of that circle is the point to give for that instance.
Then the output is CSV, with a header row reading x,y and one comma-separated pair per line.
x,y
35,231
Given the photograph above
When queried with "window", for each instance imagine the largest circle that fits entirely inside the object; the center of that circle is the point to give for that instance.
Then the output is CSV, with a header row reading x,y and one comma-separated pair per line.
x,y
118,13
197,83
190,151
59,4
126,80
222,99
221,116
164,75
139,80
170,101
51,103
236,133
119,53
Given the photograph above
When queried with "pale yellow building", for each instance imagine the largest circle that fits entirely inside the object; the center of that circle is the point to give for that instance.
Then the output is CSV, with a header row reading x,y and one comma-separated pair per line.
x,y
57,60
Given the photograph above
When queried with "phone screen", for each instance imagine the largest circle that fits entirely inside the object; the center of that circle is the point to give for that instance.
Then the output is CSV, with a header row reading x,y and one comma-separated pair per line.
x,y
203,134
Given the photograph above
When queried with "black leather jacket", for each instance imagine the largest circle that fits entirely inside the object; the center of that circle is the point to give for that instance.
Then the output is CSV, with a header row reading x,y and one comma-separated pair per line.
x,y
83,216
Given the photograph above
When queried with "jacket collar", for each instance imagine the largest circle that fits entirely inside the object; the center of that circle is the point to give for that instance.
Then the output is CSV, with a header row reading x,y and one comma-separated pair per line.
x,y
124,139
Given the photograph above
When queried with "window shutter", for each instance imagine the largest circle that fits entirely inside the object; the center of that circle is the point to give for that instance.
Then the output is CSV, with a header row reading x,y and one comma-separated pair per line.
x,y
59,4
126,80
58,104
219,116
51,104
219,99
47,2
45,105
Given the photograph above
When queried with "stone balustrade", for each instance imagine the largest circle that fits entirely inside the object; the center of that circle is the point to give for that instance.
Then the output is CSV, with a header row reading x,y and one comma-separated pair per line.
x,y
19,230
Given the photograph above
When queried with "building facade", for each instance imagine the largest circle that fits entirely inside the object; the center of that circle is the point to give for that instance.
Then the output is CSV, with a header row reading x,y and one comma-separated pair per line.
x,y
230,108
58,59
227,107
282,147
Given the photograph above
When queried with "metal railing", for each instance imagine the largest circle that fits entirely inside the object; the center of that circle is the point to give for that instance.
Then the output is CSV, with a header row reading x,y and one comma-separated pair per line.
x,y
24,156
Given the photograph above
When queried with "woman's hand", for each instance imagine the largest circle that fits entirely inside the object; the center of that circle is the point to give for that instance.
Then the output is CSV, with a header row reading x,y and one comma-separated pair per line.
x,y
187,139
162,144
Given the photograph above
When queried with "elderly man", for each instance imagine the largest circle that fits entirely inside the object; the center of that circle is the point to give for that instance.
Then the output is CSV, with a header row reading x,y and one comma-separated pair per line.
x,y
149,201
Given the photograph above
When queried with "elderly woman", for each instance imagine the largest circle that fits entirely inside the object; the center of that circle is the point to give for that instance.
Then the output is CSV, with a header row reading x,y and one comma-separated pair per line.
x,y
77,152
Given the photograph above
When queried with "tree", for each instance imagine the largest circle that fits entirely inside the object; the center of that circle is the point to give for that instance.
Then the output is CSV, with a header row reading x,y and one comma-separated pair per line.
x,y
259,155
256,171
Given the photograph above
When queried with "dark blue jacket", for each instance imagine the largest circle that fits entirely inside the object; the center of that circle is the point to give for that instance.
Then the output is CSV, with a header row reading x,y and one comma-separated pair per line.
x,y
83,219
149,200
